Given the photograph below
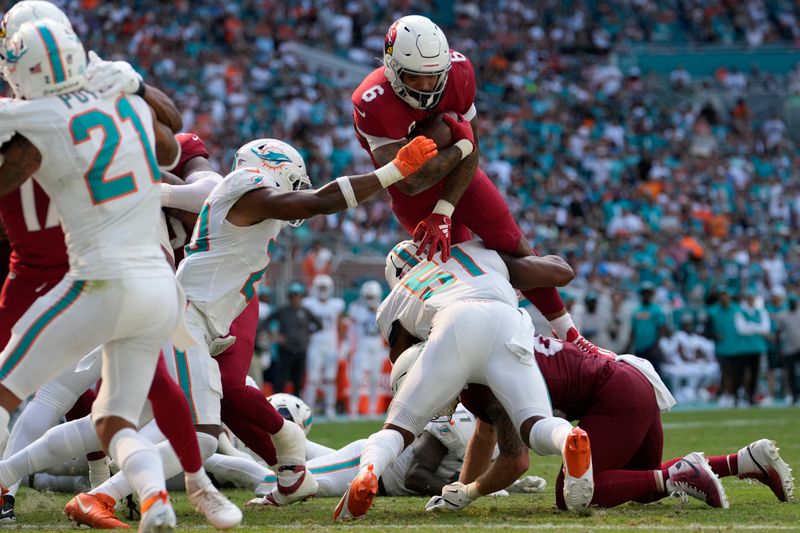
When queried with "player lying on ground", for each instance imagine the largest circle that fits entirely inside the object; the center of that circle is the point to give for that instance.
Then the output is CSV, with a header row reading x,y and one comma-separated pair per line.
x,y
467,310
617,402
430,463
451,196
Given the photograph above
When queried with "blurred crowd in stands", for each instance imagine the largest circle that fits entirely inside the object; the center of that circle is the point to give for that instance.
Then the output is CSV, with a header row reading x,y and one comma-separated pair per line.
x,y
666,186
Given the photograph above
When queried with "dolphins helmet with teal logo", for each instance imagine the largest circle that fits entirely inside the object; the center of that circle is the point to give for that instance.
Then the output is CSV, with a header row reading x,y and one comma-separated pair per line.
x,y
400,260
277,159
43,59
20,13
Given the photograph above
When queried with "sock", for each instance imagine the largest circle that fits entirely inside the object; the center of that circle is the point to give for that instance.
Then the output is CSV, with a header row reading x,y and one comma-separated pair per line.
x,y
139,461
381,449
237,470
562,325
549,435
722,465
98,471
4,418
546,299
37,417
615,487
174,419
290,445
59,444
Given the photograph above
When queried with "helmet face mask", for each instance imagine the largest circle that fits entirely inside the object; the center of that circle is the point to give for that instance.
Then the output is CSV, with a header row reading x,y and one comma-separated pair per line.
x,y
278,159
415,45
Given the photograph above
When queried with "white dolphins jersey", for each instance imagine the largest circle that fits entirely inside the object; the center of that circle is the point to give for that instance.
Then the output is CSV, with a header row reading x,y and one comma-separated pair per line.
x,y
328,313
100,170
454,433
473,272
223,261
363,323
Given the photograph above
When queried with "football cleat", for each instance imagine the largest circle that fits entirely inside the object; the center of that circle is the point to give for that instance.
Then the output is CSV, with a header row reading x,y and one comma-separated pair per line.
x,y
761,461
158,516
578,477
218,510
359,496
692,476
586,345
295,484
7,514
94,510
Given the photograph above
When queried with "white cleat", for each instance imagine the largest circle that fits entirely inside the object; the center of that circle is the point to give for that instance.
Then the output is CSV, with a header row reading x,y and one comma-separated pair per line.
x,y
211,503
158,516
761,461
295,484
578,476
692,476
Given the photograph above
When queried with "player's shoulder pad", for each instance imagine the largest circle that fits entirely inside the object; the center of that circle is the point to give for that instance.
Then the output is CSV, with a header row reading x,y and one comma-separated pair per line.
x,y
461,85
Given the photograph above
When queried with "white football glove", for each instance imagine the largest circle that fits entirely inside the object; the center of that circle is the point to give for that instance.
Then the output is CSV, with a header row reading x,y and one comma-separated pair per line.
x,y
499,494
454,498
110,78
528,485
220,344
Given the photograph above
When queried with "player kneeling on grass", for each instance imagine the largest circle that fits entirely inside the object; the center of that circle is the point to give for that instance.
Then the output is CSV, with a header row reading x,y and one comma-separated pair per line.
x,y
467,310
618,403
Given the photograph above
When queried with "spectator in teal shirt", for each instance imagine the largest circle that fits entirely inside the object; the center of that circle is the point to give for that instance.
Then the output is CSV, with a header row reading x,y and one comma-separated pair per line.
x,y
648,325
727,345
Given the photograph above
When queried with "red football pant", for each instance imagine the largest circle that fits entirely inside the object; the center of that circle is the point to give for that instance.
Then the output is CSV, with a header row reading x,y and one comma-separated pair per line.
x,y
482,211
17,295
245,410
624,427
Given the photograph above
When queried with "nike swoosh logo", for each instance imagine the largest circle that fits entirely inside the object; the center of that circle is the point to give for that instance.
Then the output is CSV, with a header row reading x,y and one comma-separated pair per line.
x,y
40,288
85,510
362,113
6,512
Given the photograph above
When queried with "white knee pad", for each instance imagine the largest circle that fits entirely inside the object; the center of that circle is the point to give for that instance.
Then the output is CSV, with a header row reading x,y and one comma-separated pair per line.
x,y
207,443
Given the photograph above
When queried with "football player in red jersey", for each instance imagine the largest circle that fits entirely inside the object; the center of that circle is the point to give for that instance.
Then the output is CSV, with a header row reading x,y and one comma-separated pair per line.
x,y
618,406
450,196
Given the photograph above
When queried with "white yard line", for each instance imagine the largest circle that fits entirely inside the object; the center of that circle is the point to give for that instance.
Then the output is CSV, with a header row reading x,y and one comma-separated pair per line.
x,y
729,422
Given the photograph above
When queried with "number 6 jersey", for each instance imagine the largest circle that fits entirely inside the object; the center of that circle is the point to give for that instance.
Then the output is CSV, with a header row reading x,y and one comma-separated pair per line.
x,y
99,169
473,272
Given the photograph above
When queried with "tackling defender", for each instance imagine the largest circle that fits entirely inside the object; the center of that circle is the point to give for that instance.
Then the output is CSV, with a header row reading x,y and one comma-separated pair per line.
x,y
451,196
466,309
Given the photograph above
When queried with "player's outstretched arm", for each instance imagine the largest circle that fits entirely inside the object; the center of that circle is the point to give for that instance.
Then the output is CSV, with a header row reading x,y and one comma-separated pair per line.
x,y
347,191
532,272
165,109
19,159
426,457
168,151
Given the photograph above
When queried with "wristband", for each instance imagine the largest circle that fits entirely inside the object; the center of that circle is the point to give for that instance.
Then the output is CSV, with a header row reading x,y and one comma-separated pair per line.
x,y
443,207
471,491
166,195
141,89
388,174
465,146
347,191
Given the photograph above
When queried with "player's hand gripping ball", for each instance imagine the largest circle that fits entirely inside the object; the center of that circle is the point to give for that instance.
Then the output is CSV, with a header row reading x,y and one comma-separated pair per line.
x,y
460,127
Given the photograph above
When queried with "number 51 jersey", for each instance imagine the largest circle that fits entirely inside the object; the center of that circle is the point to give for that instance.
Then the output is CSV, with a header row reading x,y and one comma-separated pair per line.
x,y
473,272
99,169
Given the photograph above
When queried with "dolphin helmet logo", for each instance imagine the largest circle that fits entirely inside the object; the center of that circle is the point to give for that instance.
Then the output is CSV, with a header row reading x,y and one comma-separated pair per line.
x,y
270,157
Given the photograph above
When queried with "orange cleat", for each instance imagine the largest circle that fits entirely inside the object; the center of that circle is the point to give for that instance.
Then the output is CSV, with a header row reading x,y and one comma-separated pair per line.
x,y
359,496
578,478
94,510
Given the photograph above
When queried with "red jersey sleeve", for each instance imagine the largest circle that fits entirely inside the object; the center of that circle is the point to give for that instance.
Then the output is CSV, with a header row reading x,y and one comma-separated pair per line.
x,y
191,146
459,95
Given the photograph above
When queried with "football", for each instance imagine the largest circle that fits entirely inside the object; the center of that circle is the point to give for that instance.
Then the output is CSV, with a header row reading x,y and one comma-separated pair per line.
x,y
434,128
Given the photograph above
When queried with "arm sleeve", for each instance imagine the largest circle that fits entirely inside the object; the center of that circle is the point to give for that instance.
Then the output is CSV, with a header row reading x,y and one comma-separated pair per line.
x,y
189,197
742,327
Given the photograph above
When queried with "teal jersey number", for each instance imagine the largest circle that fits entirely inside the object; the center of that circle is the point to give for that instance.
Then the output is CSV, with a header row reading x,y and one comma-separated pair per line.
x,y
426,283
200,241
102,188
248,290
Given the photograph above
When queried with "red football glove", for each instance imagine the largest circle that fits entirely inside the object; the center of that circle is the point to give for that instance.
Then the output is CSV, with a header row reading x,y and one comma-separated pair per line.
x,y
433,233
460,128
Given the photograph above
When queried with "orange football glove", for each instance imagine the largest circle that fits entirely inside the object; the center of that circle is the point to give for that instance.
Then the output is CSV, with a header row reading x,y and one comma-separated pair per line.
x,y
415,154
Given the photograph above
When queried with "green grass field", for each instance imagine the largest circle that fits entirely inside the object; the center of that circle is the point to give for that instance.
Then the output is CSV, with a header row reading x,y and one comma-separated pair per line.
x,y
753,507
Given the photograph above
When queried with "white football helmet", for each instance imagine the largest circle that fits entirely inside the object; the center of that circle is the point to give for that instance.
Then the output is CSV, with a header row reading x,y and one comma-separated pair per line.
x,y
27,11
44,58
400,260
371,292
416,45
278,159
292,408
322,287
402,366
